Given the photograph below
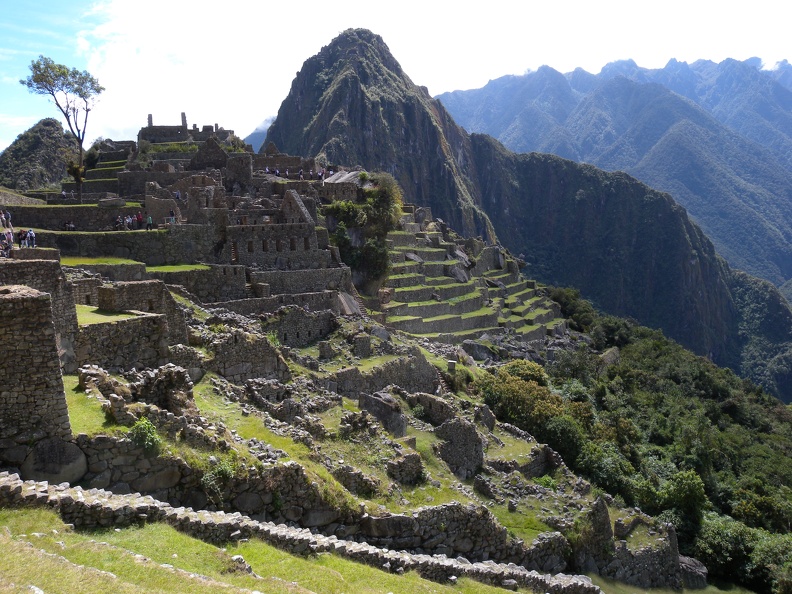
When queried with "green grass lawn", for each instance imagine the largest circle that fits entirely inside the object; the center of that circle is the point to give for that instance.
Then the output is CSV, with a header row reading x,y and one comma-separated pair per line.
x,y
177,267
88,314
85,413
84,260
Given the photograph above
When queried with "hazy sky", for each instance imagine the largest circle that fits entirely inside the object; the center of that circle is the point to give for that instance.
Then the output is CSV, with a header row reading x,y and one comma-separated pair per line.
x,y
233,64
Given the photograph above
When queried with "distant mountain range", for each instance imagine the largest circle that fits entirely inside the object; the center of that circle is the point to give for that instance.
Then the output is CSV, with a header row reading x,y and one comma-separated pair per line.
x,y
629,248
718,137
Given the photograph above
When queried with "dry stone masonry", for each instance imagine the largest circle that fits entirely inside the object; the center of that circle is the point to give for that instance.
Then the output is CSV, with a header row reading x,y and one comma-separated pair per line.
x,y
95,507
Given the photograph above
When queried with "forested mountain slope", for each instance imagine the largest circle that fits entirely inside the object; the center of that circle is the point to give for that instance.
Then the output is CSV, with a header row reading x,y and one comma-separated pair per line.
x,y
718,137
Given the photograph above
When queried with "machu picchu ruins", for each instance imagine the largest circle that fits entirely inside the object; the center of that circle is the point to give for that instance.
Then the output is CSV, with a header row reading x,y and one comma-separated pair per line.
x,y
233,329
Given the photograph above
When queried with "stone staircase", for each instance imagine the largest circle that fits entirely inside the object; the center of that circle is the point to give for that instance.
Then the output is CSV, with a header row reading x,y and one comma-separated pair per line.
x,y
95,507
434,292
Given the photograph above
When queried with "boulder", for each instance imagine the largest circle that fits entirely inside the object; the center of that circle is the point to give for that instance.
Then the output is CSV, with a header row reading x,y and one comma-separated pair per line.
x,y
694,573
164,479
387,409
462,448
55,461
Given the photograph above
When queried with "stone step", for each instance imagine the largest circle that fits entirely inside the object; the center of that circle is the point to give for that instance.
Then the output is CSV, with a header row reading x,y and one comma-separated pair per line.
x,y
448,323
401,238
427,254
405,280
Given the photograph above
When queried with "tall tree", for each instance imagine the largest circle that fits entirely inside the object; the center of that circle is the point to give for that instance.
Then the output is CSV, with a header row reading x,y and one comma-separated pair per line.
x,y
73,92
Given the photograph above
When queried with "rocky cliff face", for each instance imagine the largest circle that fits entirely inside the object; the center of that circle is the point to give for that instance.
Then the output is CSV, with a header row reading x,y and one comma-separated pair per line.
x,y
630,249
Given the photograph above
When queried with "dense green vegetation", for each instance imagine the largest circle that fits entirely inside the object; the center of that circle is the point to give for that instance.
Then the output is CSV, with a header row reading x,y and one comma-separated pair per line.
x,y
37,158
363,224
661,428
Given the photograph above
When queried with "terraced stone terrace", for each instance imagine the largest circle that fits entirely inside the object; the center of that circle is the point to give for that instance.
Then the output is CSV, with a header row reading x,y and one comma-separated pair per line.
x,y
451,291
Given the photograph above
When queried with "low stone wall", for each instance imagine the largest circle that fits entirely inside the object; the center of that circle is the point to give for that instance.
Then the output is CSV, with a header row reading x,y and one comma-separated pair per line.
x,y
134,182
95,507
324,300
305,281
84,217
150,296
413,374
648,567
218,283
93,186
117,272
468,530
35,254
86,290
135,342
181,244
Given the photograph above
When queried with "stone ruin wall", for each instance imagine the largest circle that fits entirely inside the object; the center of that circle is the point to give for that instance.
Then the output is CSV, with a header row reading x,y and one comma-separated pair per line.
x,y
239,356
179,245
86,290
297,328
222,282
133,183
32,397
332,192
37,253
47,276
150,296
135,342
283,162
116,272
305,281
313,301
291,246
96,507
413,374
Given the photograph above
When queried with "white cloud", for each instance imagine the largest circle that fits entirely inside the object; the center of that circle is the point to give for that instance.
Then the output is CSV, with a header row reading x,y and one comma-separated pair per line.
x,y
234,64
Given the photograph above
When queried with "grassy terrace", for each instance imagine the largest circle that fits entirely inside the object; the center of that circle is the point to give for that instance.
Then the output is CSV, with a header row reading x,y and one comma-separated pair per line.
x,y
84,260
88,314
177,267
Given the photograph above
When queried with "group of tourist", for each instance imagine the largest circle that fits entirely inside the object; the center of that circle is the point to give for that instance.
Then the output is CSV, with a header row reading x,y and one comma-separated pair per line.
x,y
320,173
133,222
26,238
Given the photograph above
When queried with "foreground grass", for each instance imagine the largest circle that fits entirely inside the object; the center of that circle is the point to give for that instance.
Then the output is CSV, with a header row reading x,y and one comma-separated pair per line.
x,y
157,558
